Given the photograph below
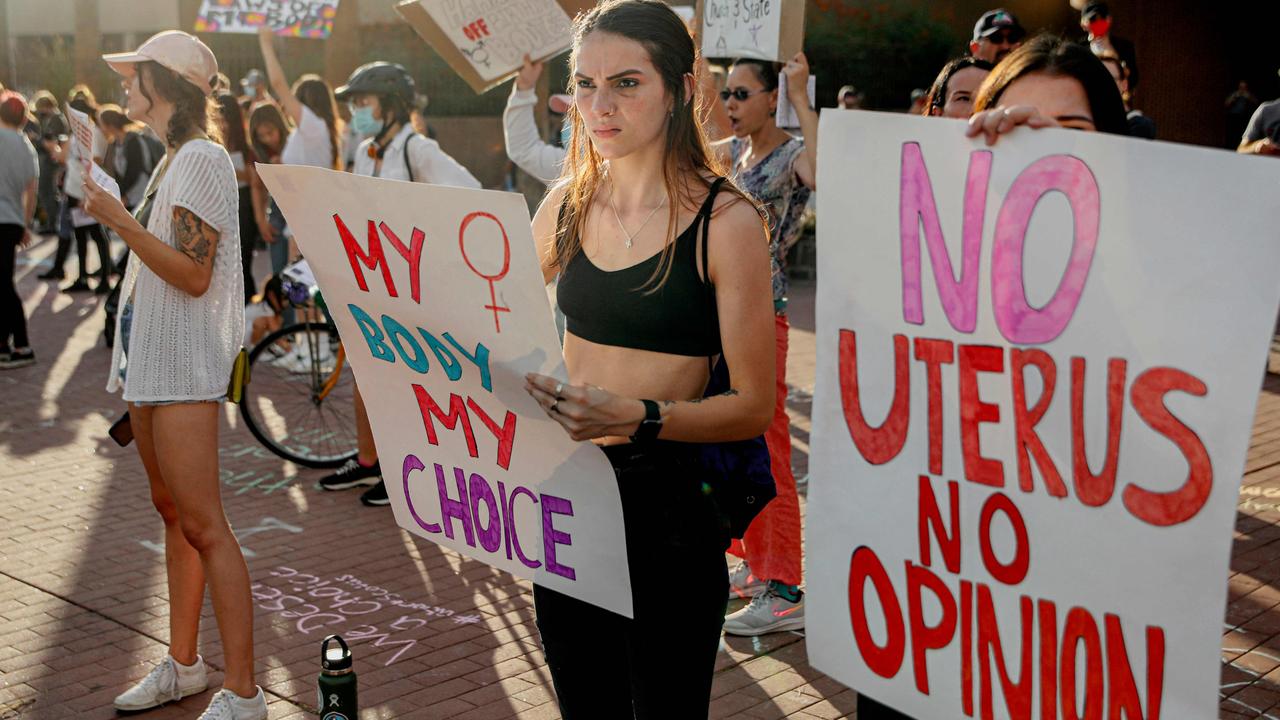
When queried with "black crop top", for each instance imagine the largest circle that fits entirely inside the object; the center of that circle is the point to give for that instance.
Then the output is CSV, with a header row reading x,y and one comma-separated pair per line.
x,y
614,308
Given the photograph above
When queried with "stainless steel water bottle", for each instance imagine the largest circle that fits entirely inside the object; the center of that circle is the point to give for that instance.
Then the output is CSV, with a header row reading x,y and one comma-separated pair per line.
x,y
337,682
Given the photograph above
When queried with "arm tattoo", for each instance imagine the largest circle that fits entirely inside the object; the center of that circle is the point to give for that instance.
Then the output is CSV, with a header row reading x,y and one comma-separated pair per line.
x,y
195,236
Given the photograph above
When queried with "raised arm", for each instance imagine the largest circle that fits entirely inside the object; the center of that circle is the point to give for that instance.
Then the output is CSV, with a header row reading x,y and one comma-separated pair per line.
x,y
275,75
525,146
797,74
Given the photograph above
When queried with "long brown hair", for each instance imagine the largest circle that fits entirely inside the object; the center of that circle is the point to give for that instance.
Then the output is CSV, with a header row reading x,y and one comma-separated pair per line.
x,y
192,109
267,113
232,117
687,155
315,93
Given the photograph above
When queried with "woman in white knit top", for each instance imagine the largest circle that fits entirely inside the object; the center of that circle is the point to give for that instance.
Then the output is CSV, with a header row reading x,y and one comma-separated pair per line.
x,y
185,288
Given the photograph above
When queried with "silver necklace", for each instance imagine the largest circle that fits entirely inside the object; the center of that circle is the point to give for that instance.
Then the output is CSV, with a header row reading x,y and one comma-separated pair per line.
x,y
630,236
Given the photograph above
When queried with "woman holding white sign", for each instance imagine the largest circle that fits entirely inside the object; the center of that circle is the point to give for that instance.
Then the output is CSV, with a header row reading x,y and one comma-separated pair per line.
x,y
777,169
184,286
648,304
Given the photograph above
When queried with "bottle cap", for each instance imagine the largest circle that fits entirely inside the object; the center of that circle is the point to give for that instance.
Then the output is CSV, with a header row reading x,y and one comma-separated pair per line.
x,y
335,660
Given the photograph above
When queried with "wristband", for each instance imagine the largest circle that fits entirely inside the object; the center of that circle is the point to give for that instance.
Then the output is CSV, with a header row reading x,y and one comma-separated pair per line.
x,y
651,425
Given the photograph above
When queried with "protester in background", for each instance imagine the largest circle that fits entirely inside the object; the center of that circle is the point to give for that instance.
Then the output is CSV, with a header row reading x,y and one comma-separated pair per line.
x,y
254,86
848,98
53,126
1262,134
648,305
268,130
222,84
19,172
777,170
1240,106
954,89
231,128
131,156
1048,82
1140,126
184,329
919,98
381,96
1095,20
525,146
996,34
84,228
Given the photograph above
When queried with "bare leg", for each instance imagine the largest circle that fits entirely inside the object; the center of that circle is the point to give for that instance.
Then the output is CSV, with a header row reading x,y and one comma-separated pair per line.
x,y
182,562
367,453
186,445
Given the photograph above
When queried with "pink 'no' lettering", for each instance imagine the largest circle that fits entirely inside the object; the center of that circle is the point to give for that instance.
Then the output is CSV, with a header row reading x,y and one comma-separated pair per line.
x,y
1018,321
916,205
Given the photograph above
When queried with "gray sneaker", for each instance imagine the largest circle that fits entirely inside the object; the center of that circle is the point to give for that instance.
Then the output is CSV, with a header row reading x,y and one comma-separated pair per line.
x,y
227,705
768,612
742,584
163,685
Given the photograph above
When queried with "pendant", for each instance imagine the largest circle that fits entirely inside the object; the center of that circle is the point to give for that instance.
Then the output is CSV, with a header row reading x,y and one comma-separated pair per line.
x,y
628,243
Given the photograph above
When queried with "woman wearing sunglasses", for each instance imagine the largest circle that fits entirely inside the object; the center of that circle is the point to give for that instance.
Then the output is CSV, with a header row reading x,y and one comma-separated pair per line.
x,y
776,169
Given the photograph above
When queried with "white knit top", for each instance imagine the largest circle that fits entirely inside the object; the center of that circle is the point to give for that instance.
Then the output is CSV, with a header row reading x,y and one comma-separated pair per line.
x,y
183,347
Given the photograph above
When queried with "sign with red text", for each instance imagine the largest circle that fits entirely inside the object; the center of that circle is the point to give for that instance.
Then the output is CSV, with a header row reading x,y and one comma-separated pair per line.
x,y
289,18
1037,369
439,299
485,41
762,29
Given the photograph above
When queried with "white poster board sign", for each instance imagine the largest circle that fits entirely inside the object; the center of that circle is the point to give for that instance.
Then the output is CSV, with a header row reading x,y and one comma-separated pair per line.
x,y
485,41
1037,370
763,29
82,136
786,114
289,18
440,303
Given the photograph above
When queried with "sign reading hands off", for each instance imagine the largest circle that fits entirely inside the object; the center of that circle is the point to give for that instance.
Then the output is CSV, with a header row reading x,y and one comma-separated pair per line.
x,y
485,41
440,302
1038,365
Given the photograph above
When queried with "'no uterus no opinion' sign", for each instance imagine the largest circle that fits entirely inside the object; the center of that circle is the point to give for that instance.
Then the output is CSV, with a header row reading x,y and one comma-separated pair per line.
x,y
1037,371
440,303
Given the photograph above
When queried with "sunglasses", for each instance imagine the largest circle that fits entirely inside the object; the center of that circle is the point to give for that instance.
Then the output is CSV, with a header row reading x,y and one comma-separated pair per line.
x,y
1005,38
739,94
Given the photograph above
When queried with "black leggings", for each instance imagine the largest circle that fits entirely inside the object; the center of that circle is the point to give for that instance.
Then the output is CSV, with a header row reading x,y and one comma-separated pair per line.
x,y
606,666
248,241
13,322
82,248
869,709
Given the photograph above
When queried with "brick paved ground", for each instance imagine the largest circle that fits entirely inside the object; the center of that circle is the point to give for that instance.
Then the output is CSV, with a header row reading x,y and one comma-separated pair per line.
x,y
82,590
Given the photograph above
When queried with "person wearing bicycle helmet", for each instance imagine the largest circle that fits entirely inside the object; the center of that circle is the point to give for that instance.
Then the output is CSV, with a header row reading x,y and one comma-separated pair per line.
x,y
380,95
381,98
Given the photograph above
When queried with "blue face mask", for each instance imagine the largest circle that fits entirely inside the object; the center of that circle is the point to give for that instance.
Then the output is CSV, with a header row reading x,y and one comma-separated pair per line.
x,y
363,121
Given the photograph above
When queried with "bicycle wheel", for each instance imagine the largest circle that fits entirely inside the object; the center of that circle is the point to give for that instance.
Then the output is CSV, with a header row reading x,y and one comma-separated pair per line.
x,y
299,402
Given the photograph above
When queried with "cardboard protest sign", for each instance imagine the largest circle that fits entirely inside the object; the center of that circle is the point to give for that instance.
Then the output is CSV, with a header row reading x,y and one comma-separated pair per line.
x,y
290,18
485,41
763,29
439,300
82,131
1037,371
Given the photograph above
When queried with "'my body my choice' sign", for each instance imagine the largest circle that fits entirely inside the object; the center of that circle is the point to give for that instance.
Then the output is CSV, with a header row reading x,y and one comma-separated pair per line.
x,y
1037,370
438,297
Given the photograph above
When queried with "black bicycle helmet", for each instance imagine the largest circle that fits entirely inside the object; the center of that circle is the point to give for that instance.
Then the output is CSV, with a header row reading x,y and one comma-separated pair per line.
x,y
378,78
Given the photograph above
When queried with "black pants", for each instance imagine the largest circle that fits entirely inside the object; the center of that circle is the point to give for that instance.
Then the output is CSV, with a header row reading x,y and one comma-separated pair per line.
x,y
869,709
13,322
248,241
660,664
99,236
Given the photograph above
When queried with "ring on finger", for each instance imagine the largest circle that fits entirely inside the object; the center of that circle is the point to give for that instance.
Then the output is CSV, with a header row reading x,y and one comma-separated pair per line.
x,y
555,406
559,390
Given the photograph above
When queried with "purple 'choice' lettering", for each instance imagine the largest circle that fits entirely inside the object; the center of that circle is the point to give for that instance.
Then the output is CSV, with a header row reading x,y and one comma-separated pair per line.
x,y
552,505
491,532
515,538
412,463
451,509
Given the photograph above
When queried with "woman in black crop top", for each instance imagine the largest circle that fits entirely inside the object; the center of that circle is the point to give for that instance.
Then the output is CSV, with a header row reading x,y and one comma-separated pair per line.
x,y
662,265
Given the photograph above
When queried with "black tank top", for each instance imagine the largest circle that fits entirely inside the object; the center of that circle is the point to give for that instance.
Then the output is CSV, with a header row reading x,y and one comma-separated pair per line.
x,y
620,308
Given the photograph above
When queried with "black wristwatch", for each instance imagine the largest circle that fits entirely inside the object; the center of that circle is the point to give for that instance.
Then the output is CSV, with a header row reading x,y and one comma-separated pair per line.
x,y
651,425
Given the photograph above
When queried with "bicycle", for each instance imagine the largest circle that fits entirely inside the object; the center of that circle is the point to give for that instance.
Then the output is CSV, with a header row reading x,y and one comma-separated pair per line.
x,y
299,402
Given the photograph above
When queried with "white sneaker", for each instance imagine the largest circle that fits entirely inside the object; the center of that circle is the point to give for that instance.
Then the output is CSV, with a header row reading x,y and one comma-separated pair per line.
x,y
227,705
742,584
165,683
768,612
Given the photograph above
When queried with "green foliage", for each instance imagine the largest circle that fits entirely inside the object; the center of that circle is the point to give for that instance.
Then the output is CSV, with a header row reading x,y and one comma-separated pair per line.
x,y
884,49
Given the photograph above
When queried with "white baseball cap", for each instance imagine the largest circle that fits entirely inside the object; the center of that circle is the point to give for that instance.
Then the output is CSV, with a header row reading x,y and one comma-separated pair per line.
x,y
180,52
